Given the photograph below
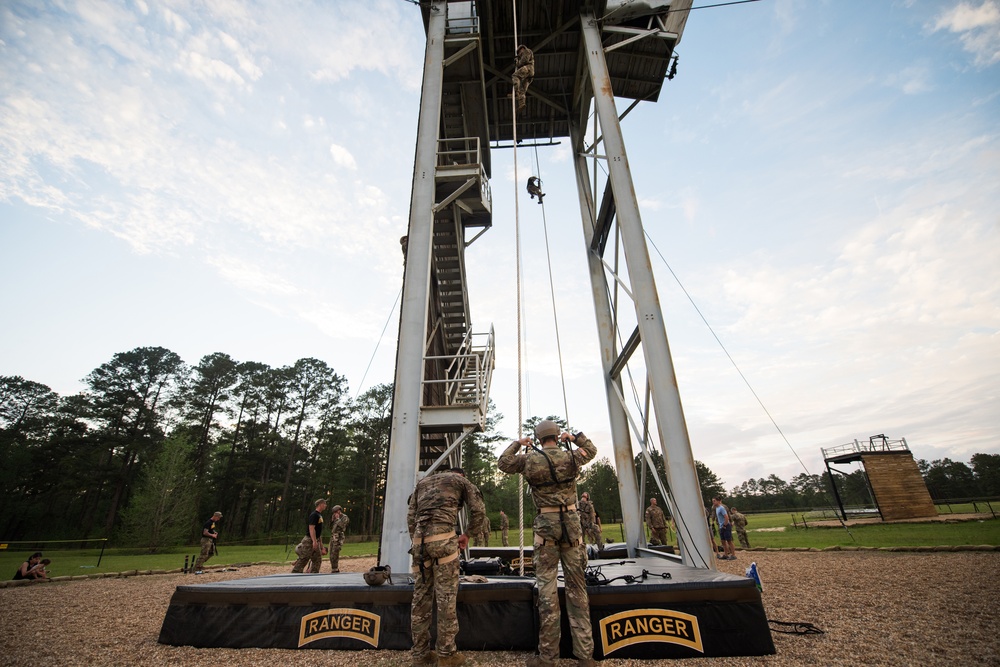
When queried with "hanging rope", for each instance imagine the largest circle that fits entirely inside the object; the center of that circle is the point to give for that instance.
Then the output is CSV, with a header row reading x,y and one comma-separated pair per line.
x,y
520,376
552,293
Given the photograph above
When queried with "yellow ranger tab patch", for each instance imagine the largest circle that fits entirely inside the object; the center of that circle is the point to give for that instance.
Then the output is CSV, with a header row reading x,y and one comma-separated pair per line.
x,y
350,623
639,626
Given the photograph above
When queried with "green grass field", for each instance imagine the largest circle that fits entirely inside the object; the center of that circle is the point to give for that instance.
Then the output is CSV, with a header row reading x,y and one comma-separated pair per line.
x,y
68,562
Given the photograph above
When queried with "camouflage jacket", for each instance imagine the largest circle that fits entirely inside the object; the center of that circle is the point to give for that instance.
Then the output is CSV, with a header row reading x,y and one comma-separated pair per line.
x,y
436,501
525,58
339,526
547,491
504,522
655,517
738,519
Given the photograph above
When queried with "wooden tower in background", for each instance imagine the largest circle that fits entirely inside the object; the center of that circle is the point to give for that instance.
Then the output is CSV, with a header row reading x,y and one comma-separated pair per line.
x,y
895,481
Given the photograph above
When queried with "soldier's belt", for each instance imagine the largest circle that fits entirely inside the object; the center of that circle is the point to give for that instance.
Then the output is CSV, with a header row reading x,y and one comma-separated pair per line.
x,y
440,561
433,538
557,508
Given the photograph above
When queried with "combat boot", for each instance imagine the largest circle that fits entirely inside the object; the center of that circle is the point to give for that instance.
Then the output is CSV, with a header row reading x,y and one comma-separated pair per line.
x,y
539,661
428,659
586,662
452,660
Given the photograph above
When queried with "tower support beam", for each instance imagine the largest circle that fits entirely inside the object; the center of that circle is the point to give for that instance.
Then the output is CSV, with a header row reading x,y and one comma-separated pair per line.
x,y
624,464
407,393
678,460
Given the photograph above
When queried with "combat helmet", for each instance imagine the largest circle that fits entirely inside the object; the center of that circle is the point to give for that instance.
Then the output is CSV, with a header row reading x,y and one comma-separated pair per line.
x,y
546,428
378,575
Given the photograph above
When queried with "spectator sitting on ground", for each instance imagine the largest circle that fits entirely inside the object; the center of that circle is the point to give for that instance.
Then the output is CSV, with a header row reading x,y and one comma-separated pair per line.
x,y
39,571
23,572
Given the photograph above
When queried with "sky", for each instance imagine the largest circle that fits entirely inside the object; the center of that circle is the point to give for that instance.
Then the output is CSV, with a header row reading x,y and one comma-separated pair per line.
x,y
822,178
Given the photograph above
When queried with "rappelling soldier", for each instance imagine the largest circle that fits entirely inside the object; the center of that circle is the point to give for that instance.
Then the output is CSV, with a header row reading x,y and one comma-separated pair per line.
x,y
524,73
552,472
535,188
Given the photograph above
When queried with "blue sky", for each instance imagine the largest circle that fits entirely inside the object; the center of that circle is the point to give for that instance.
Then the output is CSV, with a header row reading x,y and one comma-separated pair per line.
x,y
824,178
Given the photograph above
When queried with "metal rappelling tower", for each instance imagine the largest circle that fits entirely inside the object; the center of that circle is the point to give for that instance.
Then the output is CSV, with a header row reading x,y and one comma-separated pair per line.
x,y
588,53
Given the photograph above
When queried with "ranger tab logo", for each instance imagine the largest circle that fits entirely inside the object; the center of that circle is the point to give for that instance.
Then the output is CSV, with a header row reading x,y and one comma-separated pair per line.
x,y
350,623
639,626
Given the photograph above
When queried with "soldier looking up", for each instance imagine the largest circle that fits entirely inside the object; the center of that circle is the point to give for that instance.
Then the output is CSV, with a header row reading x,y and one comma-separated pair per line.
x,y
552,471
338,527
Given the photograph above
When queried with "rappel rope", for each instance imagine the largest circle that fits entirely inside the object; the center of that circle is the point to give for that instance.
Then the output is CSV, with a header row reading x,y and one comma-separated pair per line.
x,y
552,292
517,243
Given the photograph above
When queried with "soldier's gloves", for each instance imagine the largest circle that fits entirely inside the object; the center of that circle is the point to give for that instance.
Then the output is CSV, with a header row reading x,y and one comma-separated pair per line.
x,y
578,436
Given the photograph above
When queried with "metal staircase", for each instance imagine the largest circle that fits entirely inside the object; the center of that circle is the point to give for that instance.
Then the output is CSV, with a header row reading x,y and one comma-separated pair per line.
x,y
458,364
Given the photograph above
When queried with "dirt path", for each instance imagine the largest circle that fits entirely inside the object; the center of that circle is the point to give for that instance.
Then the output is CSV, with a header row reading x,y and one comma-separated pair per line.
x,y
876,608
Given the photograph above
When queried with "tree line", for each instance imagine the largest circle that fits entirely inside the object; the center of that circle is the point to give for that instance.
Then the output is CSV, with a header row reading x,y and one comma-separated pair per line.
x,y
152,446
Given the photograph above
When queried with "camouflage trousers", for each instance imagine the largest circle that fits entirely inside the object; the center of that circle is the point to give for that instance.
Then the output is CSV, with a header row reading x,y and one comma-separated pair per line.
x,y
522,78
207,551
657,535
434,584
741,533
505,537
574,562
336,543
591,533
306,554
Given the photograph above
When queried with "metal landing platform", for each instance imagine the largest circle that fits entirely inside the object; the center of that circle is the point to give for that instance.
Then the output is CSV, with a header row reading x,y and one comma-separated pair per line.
x,y
650,608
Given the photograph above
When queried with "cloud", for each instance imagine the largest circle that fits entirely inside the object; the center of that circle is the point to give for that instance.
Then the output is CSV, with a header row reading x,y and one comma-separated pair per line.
x,y
978,28
342,156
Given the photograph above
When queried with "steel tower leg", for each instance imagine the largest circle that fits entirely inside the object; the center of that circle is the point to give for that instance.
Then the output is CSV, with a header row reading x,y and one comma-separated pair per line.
x,y
676,446
624,462
404,451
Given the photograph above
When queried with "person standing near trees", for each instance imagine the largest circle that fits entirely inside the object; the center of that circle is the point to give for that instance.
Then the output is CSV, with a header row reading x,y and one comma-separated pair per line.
x,y
310,549
338,527
740,523
657,523
431,519
209,534
725,530
504,529
588,519
552,472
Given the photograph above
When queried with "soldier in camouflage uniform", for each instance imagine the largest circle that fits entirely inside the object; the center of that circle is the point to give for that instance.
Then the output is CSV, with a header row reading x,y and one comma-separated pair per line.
x,y
338,525
487,529
740,523
588,519
657,523
552,472
524,73
431,519
504,529
209,534
310,549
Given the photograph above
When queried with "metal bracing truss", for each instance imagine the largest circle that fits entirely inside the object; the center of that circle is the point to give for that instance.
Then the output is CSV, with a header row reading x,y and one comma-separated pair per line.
x,y
628,272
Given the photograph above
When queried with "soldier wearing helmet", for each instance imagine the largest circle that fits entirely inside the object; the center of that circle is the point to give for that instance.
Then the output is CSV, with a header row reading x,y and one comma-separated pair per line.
x,y
524,73
552,472
338,527
431,519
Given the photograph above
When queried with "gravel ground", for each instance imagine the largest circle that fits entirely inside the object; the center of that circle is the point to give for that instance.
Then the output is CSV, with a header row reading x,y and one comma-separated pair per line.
x,y
876,608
